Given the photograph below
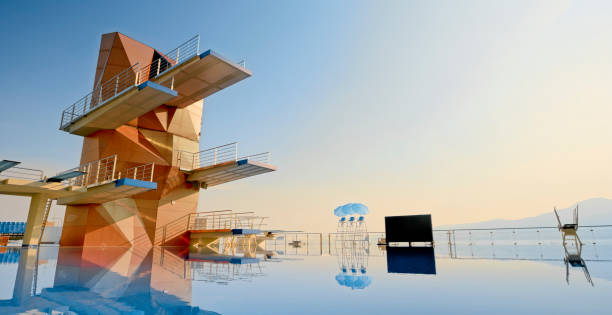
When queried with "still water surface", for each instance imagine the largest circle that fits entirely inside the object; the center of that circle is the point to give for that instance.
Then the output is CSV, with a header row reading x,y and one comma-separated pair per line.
x,y
312,279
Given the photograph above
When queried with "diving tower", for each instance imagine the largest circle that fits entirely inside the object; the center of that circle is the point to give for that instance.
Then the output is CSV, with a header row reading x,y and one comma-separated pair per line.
x,y
143,116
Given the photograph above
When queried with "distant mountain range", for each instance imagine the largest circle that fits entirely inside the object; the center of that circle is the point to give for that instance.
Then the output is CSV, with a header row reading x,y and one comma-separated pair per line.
x,y
594,211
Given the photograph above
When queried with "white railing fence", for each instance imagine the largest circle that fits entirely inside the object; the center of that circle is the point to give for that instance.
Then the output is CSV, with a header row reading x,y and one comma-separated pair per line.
x,y
261,157
219,221
208,157
99,95
183,52
22,173
141,172
96,172
213,220
217,155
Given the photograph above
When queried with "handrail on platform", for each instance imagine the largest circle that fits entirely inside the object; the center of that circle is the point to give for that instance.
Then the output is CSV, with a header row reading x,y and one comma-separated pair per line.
x,y
96,172
217,155
23,173
141,172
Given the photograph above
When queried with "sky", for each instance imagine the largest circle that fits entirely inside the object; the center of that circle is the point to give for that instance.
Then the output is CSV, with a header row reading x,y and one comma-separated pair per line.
x,y
468,110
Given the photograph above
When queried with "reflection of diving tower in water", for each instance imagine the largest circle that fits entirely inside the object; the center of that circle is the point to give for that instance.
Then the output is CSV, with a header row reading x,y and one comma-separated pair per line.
x,y
573,248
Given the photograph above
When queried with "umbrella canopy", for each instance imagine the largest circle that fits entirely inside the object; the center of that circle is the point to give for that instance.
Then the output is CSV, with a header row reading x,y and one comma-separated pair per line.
x,y
351,208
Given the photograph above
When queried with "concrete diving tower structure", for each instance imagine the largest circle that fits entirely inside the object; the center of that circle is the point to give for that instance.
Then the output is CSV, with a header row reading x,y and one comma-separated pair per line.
x,y
145,107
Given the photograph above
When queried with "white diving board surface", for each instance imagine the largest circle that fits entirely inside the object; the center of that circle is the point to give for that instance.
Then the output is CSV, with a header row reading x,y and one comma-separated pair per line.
x,y
200,76
122,108
229,171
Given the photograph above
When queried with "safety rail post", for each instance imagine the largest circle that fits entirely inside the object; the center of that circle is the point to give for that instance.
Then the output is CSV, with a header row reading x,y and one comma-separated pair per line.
x,y
178,53
114,168
215,158
116,85
158,65
152,170
87,175
163,236
236,151
98,172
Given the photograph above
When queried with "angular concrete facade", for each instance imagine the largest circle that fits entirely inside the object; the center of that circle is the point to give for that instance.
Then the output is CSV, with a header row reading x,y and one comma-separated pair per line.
x,y
154,137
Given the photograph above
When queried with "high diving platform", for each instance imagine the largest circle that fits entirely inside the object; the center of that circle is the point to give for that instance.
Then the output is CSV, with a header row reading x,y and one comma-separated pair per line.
x,y
201,76
133,102
178,78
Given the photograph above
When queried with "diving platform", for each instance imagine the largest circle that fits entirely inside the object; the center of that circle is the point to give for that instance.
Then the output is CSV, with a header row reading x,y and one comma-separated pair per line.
x,y
121,188
93,182
201,76
75,195
133,102
25,187
221,165
227,172
207,227
179,78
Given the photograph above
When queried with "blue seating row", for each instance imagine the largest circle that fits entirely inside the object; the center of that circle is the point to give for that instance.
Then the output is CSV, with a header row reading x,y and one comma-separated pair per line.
x,y
12,228
10,256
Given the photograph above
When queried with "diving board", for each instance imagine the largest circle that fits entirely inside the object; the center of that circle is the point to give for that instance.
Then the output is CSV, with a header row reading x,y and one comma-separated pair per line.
x,y
6,164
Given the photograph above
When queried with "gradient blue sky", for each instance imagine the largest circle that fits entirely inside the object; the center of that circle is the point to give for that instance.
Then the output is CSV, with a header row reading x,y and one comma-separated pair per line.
x,y
470,110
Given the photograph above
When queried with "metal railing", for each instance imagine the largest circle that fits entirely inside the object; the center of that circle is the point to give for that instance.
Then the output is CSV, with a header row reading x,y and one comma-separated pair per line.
x,y
100,94
217,155
224,220
132,76
183,52
213,156
141,172
23,173
96,172
213,220
261,157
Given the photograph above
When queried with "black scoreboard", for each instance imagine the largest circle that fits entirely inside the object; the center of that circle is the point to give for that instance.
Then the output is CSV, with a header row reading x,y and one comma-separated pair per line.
x,y
409,228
